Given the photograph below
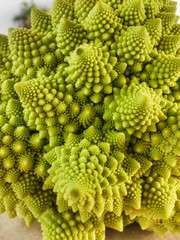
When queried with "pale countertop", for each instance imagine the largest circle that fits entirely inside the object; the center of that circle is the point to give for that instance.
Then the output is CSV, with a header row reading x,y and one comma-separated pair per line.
x,y
15,229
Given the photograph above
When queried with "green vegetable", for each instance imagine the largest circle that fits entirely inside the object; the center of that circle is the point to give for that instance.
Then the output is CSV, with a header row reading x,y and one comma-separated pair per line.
x,y
90,118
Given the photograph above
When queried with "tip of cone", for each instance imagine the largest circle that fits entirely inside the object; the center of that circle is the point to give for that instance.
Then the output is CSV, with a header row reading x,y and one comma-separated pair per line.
x,y
18,88
144,100
75,193
141,30
65,24
155,21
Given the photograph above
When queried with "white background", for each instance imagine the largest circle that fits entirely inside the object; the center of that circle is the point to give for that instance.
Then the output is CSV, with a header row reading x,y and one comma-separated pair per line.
x,y
10,8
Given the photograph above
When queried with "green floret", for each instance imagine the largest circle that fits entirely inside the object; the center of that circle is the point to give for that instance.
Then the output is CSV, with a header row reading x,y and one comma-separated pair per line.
x,y
69,35
83,189
170,8
114,4
176,29
162,72
5,60
41,21
83,7
135,109
169,44
23,212
152,8
68,225
101,22
168,20
159,197
132,12
91,70
59,9
154,29
33,52
134,45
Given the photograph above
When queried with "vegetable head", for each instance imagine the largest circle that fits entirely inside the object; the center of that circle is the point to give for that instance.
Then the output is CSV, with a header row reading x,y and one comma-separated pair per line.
x,y
89,118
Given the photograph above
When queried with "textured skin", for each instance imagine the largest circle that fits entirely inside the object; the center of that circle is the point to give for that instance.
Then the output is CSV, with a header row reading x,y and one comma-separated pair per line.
x,y
90,118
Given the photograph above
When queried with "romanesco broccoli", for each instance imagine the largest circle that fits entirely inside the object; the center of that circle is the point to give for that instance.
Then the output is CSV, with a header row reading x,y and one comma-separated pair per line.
x,y
90,118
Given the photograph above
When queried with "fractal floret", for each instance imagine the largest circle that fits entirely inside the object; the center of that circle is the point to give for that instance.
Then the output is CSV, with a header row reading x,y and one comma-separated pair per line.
x,y
90,118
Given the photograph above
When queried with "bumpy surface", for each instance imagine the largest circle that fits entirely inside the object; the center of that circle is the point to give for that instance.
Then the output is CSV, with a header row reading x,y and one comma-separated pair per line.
x,y
90,118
